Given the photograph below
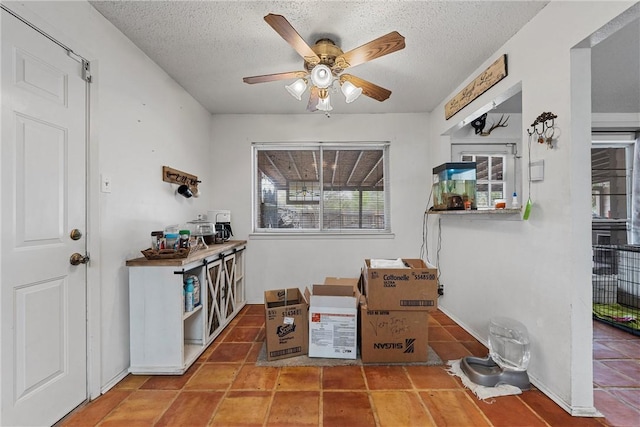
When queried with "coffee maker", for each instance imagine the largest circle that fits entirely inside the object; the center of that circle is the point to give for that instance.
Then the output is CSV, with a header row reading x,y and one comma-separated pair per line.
x,y
222,221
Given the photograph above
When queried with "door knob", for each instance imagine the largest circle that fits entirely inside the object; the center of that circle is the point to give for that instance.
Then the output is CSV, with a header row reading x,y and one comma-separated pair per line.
x,y
78,259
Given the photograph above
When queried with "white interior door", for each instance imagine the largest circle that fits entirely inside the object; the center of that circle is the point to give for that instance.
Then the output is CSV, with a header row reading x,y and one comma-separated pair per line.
x,y
43,173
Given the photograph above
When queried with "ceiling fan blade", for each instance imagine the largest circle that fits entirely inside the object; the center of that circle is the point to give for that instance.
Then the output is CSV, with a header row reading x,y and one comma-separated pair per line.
x,y
381,46
313,99
369,89
287,32
273,77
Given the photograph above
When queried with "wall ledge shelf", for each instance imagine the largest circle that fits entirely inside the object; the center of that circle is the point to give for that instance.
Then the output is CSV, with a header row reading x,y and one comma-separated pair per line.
x,y
509,213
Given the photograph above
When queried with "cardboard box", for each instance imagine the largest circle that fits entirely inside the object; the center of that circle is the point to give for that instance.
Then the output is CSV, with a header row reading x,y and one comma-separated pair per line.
x,y
393,336
413,288
286,323
333,321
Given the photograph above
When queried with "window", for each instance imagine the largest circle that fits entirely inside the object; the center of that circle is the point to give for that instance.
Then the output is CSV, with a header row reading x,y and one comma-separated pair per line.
x,y
612,186
490,178
320,187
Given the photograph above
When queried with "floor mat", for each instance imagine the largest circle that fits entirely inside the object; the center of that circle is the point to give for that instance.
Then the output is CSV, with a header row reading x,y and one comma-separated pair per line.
x,y
432,360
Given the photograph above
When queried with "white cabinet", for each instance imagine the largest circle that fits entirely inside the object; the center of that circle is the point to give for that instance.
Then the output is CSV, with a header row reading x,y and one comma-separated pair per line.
x,y
164,339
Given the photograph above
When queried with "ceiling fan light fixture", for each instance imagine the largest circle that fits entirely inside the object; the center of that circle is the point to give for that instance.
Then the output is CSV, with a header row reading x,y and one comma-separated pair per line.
x,y
350,91
321,76
297,88
324,104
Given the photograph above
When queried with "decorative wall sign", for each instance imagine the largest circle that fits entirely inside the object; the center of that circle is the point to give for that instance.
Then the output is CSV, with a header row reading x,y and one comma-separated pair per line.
x,y
492,75
175,176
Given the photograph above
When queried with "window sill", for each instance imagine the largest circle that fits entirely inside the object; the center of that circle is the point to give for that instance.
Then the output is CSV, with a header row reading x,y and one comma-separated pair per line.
x,y
289,235
509,213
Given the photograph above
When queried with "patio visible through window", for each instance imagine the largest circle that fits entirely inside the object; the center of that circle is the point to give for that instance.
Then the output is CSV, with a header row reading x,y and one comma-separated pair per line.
x,y
320,187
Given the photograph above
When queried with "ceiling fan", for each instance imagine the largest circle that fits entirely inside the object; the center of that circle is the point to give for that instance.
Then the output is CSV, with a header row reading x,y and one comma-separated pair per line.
x,y
324,63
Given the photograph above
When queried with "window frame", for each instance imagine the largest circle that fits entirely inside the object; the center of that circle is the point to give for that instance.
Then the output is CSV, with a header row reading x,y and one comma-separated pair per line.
x,y
256,147
512,165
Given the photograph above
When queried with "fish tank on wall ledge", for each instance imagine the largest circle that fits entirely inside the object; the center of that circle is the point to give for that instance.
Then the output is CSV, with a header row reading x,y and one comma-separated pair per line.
x,y
454,187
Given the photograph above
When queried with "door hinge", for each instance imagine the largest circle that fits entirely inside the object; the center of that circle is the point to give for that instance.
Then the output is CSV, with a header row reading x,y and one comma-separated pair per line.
x,y
86,70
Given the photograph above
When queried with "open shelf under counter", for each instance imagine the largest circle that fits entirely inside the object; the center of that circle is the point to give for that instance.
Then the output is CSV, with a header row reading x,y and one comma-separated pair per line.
x,y
504,214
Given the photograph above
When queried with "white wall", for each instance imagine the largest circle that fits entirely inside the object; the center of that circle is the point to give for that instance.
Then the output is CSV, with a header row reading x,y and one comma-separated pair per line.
x,y
143,120
298,262
535,271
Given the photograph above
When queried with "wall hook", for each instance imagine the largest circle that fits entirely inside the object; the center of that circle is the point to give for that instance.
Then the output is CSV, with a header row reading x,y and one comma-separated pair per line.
x,y
184,180
544,128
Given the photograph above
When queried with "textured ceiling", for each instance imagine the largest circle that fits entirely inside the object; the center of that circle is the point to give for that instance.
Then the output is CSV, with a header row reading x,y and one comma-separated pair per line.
x,y
209,46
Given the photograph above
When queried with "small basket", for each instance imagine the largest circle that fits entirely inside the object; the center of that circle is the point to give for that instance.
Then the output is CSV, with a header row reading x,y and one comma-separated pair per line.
x,y
170,253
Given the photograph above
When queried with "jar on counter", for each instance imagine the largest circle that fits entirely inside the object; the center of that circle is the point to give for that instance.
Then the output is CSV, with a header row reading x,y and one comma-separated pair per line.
x,y
185,235
157,240
171,240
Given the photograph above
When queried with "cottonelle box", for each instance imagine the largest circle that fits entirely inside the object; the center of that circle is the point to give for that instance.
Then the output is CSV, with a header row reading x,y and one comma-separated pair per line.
x,y
333,321
389,336
414,288
286,323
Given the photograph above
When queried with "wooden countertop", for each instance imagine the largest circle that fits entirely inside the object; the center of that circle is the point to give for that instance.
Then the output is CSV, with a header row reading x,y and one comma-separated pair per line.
x,y
196,256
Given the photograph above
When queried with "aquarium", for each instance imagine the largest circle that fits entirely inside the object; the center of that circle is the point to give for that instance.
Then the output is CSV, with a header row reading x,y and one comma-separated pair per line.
x,y
454,186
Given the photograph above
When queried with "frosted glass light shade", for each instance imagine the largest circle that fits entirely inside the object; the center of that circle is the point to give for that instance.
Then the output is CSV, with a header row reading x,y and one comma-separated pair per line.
x,y
350,91
324,104
297,88
321,76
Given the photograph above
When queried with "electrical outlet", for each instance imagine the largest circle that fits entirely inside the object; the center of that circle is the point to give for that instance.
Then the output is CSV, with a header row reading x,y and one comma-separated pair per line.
x,y
105,184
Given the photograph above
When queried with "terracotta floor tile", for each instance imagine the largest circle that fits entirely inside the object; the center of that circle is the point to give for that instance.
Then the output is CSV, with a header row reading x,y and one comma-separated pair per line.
x,y
230,352
261,335
252,357
191,408
386,378
458,333
630,396
400,408
604,331
141,408
295,409
453,408
213,376
207,353
431,377
553,414
433,321
251,320
170,382
243,409
507,411
131,382
602,351
476,348
91,413
439,333
255,309
450,350
346,408
628,367
343,378
617,413
240,334
299,378
225,387
627,349
256,378
604,375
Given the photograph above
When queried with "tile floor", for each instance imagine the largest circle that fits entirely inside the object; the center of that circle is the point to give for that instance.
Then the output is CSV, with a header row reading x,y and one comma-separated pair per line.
x,y
225,388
